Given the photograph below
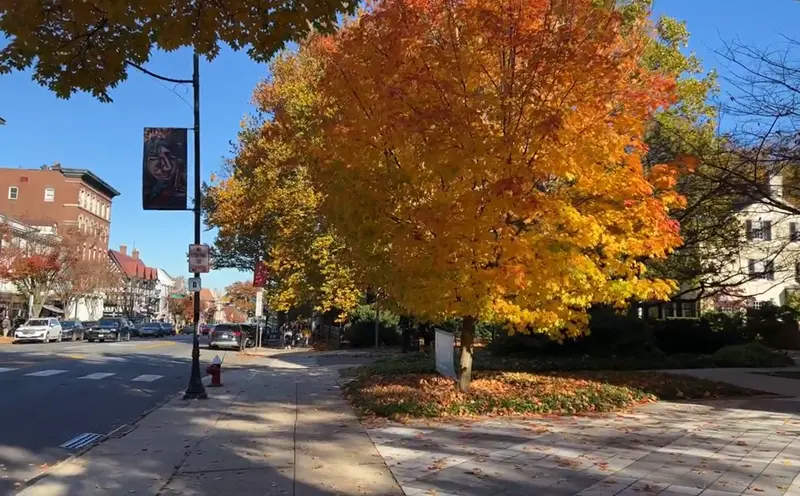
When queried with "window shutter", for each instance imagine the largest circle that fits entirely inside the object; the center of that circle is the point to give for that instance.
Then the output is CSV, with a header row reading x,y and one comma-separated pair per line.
x,y
749,229
793,231
769,269
751,267
766,225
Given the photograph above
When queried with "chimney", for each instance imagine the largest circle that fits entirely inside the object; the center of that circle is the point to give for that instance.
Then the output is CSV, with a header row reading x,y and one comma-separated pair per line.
x,y
776,186
135,253
123,249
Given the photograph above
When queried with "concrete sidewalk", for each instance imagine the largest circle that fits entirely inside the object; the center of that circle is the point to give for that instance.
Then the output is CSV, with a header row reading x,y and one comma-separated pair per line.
x,y
268,431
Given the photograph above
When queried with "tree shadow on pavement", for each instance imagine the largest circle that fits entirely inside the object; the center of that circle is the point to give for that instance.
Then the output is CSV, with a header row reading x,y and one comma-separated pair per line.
x,y
268,431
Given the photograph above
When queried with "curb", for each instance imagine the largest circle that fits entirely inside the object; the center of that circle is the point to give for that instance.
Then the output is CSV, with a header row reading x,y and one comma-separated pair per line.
x,y
119,432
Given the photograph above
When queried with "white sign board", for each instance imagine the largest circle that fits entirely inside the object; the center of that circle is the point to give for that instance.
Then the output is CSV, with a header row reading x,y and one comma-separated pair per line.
x,y
259,303
199,260
194,284
444,354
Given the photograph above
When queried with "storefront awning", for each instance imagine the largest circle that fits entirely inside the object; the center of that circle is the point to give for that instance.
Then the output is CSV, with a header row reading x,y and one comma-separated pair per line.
x,y
52,309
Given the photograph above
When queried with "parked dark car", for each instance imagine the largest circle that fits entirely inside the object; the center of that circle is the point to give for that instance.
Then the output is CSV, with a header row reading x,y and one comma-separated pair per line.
x,y
72,330
88,324
110,329
151,330
169,329
229,336
187,329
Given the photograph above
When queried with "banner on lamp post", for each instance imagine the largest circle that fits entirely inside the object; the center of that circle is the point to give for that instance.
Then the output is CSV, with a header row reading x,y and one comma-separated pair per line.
x,y
260,275
164,168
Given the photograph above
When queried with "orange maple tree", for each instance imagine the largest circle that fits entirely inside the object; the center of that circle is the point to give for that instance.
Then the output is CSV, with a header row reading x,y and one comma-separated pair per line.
x,y
483,159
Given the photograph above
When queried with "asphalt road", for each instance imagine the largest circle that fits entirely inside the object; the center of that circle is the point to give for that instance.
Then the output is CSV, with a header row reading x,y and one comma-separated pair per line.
x,y
58,392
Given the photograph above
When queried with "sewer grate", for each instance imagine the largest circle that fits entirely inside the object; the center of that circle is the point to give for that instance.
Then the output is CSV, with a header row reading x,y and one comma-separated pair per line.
x,y
82,440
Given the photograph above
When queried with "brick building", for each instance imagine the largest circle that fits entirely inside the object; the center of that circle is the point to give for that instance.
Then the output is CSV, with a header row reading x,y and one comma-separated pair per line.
x,y
60,197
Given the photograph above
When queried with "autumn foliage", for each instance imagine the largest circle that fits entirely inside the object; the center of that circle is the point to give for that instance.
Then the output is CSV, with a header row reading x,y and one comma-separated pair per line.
x,y
490,153
479,159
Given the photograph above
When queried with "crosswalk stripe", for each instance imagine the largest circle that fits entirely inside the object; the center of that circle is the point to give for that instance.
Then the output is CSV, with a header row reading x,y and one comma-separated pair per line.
x,y
98,375
46,373
147,378
7,369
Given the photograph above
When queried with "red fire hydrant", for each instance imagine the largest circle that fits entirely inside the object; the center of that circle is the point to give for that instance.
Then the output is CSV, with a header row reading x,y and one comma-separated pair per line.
x,y
215,371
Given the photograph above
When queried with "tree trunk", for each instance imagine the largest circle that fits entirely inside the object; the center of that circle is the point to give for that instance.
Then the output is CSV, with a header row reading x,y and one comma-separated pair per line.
x,y
465,361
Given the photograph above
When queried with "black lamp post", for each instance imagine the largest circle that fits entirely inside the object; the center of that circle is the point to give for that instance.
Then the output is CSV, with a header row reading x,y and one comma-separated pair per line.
x,y
195,389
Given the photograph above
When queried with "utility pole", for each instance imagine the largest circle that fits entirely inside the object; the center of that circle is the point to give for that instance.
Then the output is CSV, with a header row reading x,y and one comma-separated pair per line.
x,y
195,390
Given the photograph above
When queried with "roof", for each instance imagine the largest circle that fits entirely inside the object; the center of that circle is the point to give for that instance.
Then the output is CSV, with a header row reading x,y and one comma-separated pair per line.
x,y
91,179
206,295
133,267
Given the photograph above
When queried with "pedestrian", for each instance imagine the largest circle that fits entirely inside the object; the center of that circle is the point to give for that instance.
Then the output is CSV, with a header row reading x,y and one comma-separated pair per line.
x,y
6,325
287,336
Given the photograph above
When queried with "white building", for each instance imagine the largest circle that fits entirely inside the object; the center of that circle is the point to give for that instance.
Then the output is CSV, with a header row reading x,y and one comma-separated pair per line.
x,y
165,285
768,269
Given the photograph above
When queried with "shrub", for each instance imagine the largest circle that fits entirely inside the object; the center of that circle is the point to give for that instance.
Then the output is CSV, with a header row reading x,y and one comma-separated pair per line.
x,y
704,336
750,355
610,333
361,334
774,326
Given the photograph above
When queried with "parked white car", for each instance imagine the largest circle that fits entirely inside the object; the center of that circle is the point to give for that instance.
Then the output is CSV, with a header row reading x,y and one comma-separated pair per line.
x,y
44,330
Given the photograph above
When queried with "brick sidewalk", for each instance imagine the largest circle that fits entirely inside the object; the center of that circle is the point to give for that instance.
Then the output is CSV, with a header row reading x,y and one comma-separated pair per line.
x,y
726,448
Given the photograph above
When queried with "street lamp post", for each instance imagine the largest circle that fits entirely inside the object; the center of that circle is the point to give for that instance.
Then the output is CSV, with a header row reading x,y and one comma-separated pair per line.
x,y
195,390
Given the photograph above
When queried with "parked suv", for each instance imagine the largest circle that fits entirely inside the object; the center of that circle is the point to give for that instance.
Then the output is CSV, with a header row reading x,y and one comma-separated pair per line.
x,y
43,329
229,336
110,329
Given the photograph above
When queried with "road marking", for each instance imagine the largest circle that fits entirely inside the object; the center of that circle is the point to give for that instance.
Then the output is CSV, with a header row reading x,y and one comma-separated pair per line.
x,y
156,345
75,357
81,440
7,369
147,378
46,373
98,375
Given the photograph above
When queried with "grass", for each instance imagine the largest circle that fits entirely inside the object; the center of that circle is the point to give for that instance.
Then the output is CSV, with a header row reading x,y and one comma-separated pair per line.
x,y
407,386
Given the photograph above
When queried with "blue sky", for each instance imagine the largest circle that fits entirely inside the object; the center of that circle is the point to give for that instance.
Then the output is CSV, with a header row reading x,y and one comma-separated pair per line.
x,y
107,138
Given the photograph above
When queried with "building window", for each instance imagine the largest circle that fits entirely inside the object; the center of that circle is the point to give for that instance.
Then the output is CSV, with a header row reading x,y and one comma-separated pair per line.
x,y
760,269
759,229
49,194
793,234
13,193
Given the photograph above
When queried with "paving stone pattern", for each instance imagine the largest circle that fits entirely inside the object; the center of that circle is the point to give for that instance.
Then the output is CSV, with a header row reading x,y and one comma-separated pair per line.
x,y
718,449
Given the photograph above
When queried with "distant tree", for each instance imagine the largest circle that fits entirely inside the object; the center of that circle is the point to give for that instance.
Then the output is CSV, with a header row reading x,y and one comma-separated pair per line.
x,y
242,295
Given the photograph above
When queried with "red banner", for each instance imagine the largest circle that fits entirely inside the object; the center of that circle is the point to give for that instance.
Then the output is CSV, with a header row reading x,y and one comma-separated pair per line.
x,y
261,275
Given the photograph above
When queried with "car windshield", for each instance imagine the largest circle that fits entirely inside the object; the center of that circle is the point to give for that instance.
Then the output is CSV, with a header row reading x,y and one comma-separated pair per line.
x,y
105,322
37,322
68,324
151,326
225,327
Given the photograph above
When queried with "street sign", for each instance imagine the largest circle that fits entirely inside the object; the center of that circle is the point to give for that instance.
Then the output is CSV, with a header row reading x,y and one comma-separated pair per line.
x,y
199,260
259,303
261,275
194,284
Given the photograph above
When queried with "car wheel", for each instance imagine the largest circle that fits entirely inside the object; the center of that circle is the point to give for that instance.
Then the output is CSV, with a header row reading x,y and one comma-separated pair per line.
x,y
102,340
90,340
